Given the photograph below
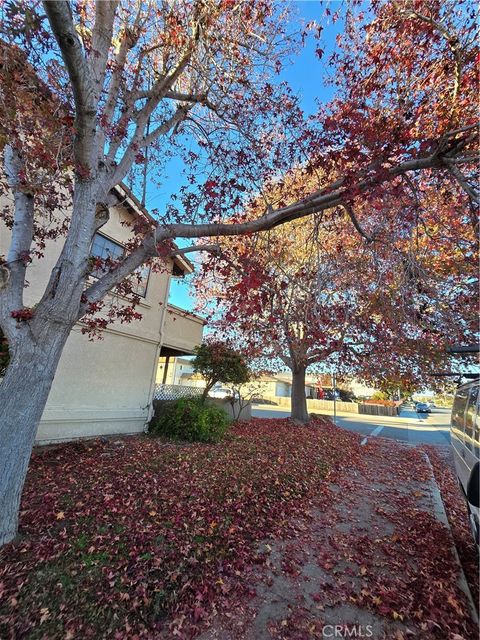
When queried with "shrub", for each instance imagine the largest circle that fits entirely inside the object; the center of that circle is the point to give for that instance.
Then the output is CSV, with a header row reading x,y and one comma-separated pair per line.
x,y
215,362
379,395
191,419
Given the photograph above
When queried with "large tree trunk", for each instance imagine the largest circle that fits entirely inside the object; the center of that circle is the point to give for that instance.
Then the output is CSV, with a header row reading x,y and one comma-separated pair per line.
x,y
23,394
299,400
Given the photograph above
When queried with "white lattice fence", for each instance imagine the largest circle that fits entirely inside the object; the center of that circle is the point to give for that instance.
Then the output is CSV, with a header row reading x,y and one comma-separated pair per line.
x,y
175,391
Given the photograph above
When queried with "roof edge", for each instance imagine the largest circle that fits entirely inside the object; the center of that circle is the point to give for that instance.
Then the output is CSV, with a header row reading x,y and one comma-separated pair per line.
x,y
127,197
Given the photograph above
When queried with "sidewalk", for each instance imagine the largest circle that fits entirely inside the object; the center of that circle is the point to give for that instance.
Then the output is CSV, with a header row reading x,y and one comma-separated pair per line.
x,y
372,558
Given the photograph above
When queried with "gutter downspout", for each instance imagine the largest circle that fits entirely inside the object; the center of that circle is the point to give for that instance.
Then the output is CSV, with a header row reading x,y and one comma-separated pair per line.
x,y
157,351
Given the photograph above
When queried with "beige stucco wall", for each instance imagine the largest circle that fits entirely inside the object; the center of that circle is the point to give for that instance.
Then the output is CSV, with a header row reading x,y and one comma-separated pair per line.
x,y
100,388
183,330
104,386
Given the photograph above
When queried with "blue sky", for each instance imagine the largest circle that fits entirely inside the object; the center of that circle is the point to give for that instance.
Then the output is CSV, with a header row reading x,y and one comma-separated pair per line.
x,y
306,77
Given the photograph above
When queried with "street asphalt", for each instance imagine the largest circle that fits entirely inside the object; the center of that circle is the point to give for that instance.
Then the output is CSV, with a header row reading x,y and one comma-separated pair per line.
x,y
409,426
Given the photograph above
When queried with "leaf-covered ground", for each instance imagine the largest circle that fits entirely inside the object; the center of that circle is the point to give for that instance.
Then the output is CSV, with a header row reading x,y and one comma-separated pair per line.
x,y
139,538
456,509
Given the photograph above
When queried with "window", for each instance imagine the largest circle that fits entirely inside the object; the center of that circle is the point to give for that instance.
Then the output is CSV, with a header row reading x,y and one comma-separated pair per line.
x,y
470,417
104,248
140,280
458,412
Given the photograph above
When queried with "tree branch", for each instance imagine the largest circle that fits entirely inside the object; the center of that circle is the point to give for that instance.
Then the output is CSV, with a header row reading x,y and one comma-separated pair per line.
x,y
210,248
462,181
452,41
103,285
129,39
61,21
318,201
23,229
158,91
349,209
125,163
101,41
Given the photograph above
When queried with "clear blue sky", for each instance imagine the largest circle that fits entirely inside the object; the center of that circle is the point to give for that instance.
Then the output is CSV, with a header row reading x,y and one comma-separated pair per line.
x,y
306,77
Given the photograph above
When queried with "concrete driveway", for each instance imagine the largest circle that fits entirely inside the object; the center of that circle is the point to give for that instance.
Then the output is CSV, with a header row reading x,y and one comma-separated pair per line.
x,y
409,426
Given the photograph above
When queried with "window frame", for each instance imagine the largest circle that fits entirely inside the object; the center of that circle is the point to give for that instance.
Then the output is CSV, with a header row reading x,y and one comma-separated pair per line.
x,y
136,284
458,419
471,417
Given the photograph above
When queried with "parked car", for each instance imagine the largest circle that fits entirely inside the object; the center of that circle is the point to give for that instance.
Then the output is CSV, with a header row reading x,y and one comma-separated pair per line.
x,y
465,438
220,392
422,407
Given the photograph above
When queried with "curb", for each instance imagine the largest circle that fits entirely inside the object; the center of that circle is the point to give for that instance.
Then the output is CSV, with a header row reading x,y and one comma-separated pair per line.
x,y
441,515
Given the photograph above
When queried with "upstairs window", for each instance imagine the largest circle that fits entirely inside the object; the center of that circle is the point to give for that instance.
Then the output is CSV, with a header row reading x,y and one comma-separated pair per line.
x,y
104,248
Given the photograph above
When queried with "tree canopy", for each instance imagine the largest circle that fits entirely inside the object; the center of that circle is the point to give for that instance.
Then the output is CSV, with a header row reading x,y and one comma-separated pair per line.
x,y
216,362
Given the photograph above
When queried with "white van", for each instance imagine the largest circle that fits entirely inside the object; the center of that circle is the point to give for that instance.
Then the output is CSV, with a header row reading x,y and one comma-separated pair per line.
x,y
465,438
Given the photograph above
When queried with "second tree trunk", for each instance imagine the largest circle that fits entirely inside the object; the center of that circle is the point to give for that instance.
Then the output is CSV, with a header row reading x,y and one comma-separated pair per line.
x,y
299,400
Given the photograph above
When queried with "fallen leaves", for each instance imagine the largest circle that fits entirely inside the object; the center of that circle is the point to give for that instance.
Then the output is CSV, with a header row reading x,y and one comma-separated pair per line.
x,y
156,535
156,540
457,514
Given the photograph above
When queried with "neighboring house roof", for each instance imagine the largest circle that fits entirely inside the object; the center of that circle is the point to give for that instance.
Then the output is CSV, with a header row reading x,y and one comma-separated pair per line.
x,y
182,265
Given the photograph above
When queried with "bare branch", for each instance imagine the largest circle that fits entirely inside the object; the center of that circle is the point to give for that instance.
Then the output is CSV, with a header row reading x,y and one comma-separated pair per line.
x,y
463,182
210,248
349,209
129,38
127,158
22,232
158,91
101,40
61,21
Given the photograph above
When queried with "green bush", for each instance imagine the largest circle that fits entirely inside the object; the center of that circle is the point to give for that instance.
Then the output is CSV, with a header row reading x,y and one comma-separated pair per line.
x,y
190,419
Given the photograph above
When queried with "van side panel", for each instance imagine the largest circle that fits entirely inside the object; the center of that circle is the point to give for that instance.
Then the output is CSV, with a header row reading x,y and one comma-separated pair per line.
x,y
464,431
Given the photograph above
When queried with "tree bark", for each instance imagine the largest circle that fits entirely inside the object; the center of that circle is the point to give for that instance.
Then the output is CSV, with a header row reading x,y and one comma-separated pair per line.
x,y
23,394
299,401
206,391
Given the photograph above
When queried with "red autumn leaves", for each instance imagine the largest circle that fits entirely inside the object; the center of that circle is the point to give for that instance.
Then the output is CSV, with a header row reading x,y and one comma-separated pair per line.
x,y
140,538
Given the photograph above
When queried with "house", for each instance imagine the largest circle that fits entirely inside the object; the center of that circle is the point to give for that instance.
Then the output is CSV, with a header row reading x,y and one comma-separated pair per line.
x,y
106,386
179,372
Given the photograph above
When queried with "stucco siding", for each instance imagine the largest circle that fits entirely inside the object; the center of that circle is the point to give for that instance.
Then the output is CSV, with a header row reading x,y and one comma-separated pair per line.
x,y
102,386
182,331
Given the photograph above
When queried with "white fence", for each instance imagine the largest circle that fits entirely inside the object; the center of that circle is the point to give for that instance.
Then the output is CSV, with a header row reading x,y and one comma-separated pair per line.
x,y
175,391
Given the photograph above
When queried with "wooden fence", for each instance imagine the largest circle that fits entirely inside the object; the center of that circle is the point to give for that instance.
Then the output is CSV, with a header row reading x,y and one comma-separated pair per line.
x,y
316,406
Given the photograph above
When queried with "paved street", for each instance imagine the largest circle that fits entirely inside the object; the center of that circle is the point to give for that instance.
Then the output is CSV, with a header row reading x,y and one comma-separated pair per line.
x,y
432,428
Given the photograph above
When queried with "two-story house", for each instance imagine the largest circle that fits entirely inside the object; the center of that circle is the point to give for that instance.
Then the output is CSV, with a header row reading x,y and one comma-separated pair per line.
x,y
106,386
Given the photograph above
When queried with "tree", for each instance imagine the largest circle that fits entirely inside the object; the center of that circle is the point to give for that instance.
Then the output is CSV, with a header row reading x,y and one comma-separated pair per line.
x,y
311,295
94,92
245,392
287,298
215,362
